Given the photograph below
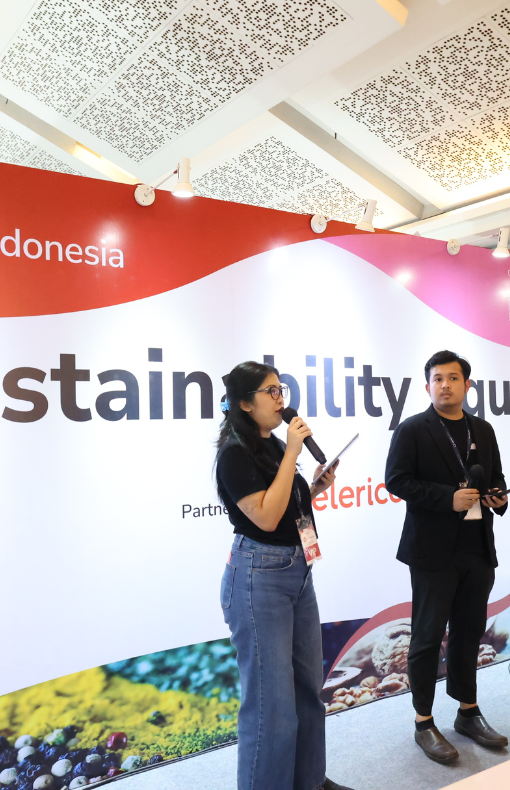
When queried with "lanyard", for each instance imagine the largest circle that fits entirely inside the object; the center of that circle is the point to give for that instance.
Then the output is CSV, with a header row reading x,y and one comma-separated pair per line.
x,y
456,449
297,494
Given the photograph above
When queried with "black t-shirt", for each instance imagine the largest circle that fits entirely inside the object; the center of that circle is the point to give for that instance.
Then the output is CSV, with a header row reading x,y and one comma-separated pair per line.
x,y
238,476
471,535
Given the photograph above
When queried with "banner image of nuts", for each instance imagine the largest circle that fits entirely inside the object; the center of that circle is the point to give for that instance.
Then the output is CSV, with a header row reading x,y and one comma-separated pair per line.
x,y
375,666
90,726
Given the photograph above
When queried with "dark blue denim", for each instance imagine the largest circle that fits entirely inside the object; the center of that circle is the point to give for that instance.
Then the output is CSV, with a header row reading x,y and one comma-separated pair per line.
x,y
269,604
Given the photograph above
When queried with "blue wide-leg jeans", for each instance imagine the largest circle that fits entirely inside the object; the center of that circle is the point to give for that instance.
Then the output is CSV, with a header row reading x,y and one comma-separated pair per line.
x,y
269,604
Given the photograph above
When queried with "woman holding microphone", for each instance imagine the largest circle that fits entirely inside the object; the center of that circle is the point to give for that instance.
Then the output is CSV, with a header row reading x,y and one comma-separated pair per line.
x,y
267,591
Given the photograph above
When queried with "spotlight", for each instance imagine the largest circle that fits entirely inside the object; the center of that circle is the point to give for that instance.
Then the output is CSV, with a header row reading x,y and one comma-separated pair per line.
x,y
368,217
501,250
183,187
319,222
145,194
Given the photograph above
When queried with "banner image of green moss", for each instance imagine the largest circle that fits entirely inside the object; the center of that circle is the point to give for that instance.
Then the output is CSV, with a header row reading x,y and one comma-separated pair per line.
x,y
101,722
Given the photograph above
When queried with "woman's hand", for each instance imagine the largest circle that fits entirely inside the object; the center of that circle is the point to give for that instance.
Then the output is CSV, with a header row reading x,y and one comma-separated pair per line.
x,y
326,480
297,432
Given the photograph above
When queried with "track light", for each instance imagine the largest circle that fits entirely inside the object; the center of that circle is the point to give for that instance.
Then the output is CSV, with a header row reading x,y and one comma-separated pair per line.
x,y
319,222
145,194
501,250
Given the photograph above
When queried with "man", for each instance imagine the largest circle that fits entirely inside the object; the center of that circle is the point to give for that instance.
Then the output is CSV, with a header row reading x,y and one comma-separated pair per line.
x,y
448,543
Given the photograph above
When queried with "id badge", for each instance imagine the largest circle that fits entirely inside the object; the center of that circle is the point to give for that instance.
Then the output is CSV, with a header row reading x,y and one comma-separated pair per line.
x,y
308,540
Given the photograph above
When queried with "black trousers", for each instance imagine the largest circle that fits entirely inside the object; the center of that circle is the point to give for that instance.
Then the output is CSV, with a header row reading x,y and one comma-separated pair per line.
x,y
457,594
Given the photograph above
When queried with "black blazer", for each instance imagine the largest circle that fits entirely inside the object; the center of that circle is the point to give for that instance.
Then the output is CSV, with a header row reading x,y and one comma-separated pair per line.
x,y
422,469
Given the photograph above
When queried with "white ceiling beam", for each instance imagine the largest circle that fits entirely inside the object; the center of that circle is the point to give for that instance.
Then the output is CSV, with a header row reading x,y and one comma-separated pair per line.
x,y
463,222
65,143
317,135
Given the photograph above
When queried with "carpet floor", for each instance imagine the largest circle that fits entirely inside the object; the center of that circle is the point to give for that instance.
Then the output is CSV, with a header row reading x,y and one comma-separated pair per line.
x,y
368,748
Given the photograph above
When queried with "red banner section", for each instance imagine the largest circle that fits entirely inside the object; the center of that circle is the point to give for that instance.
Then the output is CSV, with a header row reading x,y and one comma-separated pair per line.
x,y
69,243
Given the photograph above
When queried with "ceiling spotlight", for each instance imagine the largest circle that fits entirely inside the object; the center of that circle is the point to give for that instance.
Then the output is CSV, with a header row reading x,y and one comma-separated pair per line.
x,y
145,194
183,187
501,250
368,217
319,222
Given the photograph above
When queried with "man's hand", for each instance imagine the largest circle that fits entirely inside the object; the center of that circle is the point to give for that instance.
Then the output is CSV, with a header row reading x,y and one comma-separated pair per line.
x,y
494,500
465,498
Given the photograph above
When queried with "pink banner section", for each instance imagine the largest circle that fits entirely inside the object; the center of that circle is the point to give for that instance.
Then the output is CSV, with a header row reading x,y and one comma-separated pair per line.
x,y
400,611
479,282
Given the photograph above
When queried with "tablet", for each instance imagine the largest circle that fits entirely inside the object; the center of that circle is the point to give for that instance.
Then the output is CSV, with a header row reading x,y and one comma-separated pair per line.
x,y
335,459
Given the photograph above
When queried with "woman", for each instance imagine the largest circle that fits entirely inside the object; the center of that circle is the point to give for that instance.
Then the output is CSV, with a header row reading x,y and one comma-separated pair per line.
x,y
267,591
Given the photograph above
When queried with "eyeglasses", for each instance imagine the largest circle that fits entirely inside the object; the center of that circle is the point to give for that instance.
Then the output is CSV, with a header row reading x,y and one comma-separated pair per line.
x,y
275,392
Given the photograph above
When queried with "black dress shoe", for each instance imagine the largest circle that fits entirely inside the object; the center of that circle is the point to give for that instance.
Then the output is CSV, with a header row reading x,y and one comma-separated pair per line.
x,y
435,745
476,727
330,785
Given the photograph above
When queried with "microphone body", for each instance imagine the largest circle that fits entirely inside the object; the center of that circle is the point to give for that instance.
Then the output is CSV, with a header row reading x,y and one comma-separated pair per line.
x,y
288,414
477,478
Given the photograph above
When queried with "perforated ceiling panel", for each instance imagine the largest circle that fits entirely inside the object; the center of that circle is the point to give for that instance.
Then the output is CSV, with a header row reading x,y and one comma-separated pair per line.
x,y
210,54
138,73
395,108
501,20
45,161
447,109
145,108
330,198
455,157
280,29
14,150
137,18
494,126
64,53
468,71
272,174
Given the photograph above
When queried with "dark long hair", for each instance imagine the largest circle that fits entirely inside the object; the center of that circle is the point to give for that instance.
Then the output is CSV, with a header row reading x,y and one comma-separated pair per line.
x,y
238,424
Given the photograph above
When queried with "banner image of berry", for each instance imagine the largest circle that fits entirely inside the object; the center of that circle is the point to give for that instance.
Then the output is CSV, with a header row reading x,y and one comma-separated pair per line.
x,y
96,724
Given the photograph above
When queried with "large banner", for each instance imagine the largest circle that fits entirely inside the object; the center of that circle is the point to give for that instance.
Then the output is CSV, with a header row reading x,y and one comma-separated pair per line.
x,y
118,325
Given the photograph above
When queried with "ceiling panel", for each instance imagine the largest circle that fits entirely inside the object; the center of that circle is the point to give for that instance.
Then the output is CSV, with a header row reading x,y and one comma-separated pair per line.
x,y
395,108
456,157
14,150
468,71
64,53
136,19
144,108
282,171
437,119
46,161
280,30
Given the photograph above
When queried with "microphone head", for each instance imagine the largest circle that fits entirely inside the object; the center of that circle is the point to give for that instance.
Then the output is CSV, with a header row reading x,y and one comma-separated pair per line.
x,y
477,477
477,472
288,414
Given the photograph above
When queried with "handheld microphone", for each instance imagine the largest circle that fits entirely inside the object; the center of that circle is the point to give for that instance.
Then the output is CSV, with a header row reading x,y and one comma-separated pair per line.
x,y
477,478
288,414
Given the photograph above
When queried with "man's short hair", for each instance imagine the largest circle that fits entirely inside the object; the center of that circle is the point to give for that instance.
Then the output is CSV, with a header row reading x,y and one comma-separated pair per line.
x,y
443,358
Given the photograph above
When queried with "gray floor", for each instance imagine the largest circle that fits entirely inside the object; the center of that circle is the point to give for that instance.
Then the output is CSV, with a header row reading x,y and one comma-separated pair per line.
x,y
369,748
